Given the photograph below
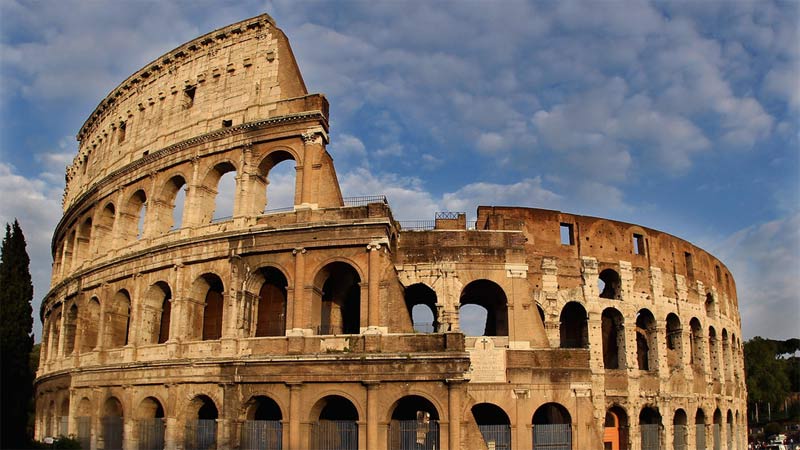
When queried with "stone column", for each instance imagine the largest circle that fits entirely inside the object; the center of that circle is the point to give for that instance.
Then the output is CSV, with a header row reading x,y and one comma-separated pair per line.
x,y
101,331
62,330
295,409
311,148
372,413
296,320
454,411
373,289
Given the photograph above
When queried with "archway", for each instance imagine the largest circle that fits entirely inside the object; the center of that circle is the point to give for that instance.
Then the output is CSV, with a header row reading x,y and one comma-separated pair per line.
x,y
90,321
262,428
615,433
339,303
573,328
717,429
674,341
336,425
494,424
696,351
552,428
608,284
118,320
650,429
414,425
156,311
102,236
421,305
84,422
613,332
729,430
646,341
70,328
210,289
112,424
680,431
491,297
279,174
699,430
271,307
63,417
201,424
151,424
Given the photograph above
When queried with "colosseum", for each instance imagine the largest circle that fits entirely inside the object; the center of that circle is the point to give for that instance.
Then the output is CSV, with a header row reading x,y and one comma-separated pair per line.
x,y
171,326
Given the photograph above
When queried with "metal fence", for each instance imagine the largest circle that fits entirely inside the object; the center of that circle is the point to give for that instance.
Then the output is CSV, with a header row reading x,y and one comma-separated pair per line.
x,y
424,327
262,435
112,432
700,436
84,431
63,426
334,435
730,436
364,200
651,436
557,436
151,434
413,435
680,437
496,436
717,437
417,225
201,434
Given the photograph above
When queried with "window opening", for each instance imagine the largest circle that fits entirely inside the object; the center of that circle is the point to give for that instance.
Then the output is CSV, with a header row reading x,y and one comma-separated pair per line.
x,y
227,123
188,99
567,234
689,264
121,135
638,244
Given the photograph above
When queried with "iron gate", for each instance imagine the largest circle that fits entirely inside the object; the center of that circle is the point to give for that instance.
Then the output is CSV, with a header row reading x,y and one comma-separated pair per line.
x,y
413,435
201,434
151,434
717,437
557,436
334,435
651,436
84,431
730,436
262,435
700,436
680,437
63,426
497,435
112,432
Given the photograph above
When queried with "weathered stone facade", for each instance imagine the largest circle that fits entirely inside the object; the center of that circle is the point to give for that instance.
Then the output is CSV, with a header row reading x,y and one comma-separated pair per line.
x,y
294,329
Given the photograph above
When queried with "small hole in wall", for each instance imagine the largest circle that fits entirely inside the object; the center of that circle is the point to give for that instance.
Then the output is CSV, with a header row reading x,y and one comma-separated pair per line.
x,y
227,123
146,152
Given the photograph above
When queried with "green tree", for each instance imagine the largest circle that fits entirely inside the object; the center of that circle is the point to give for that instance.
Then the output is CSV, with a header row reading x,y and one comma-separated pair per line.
x,y
767,380
16,340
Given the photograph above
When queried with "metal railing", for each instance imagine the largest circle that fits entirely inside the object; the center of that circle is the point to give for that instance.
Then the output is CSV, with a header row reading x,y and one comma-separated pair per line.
x,y
282,209
717,437
424,327
63,426
556,436
651,437
417,225
151,434
334,435
700,436
112,432
84,431
364,200
496,436
201,434
221,219
680,437
262,435
447,214
413,435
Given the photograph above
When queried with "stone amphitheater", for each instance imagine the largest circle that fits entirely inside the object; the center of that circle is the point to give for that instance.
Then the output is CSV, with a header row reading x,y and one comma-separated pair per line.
x,y
169,326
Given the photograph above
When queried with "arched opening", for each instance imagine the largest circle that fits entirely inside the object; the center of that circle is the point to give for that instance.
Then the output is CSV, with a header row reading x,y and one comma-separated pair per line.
x,y
262,428
414,425
84,237
494,424
552,428
646,341
68,253
339,303
615,433
151,424
726,356
421,304
104,230
156,311
218,196
63,417
699,430
680,431
50,418
709,305
279,175
84,422
608,284
90,321
133,217
213,308
118,319
713,350
336,425
674,341
613,331
541,312
201,424
55,333
717,430
729,430
491,297
112,424
696,353
271,307
573,327
170,205
650,429
70,328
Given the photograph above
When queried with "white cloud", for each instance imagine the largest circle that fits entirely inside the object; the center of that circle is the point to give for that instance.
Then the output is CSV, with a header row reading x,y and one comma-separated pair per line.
x,y
528,192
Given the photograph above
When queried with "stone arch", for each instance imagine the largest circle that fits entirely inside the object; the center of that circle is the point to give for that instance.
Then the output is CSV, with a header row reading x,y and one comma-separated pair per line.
x,y
552,427
414,419
421,303
55,331
118,319
70,329
613,333
171,203
650,428
50,419
63,416
493,423
490,296
104,229
262,407
208,315
201,423
270,309
262,426
646,340
211,204
84,422
112,420
68,252
710,304
83,240
696,354
615,432
674,341
726,355
156,314
609,284
150,424
90,322
132,217
729,429
337,299
680,430
717,429
574,326
700,429
713,352
334,420
265,195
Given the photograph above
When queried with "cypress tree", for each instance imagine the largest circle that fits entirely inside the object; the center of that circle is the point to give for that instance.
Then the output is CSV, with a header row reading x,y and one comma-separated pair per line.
x,y
16,340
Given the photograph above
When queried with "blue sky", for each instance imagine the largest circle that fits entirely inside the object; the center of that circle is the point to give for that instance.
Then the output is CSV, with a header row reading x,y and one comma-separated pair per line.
x,y
680,116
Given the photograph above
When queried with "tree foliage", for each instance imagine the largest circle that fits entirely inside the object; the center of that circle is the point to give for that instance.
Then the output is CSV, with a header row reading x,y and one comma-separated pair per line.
x,y
772,370
16,340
